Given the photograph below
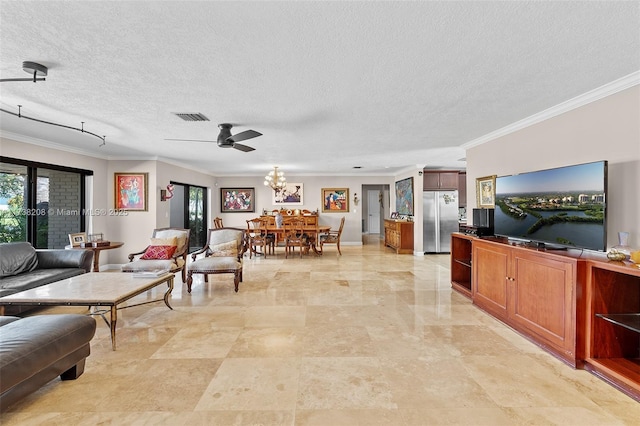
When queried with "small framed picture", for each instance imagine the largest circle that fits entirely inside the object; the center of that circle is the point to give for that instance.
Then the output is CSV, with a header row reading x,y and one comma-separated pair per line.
x,y
395,215
237,200
76,240
486,191
335,200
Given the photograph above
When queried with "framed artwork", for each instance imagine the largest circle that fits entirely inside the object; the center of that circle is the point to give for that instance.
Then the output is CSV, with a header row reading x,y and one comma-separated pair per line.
x,y
335,200
237,200
131,192
486,191
404,196
293,193
77,239
394,215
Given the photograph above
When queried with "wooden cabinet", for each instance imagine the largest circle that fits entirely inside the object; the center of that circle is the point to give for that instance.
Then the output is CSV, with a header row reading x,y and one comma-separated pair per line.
x,y
612,323
534,292
311,220
580,307
436,180
461,263
490,275
398,235
462,189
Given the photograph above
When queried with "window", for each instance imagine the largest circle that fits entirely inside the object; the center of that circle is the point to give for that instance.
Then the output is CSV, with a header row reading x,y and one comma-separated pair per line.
x,y
40,203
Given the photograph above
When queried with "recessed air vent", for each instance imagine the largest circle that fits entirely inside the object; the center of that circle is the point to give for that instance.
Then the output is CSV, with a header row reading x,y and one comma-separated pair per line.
x,y
191,116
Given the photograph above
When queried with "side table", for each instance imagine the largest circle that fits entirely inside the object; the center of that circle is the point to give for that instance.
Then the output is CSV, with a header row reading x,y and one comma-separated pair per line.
x,y
96,252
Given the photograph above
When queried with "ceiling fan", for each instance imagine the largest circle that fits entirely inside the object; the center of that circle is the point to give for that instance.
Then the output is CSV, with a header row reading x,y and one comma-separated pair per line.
x,y
227,140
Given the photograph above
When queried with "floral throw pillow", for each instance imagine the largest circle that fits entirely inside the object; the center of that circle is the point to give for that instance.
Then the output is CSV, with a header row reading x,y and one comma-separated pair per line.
x,y
228,249
158,252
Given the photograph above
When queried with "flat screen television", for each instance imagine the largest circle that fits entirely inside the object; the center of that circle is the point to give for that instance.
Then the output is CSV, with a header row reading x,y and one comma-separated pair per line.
x,y
564,207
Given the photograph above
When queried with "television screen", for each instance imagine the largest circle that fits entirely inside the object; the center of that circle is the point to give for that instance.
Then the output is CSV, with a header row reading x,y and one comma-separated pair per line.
x,y
563,207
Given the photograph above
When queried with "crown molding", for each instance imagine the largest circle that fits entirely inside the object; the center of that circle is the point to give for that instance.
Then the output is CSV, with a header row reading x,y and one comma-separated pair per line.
x,y
48,144
608,89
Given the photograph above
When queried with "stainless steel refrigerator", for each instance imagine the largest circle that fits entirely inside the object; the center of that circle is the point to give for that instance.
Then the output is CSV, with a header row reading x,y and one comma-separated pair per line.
x,y
440,219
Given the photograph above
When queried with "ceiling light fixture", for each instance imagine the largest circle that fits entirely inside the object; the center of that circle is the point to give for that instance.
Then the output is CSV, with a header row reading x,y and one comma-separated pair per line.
x,y
32,68
81,129
275,179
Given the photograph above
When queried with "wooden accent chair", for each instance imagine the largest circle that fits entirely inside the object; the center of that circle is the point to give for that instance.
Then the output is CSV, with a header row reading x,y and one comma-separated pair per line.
x,y
156,256
332,237
222,255
294,236
217,223
258,236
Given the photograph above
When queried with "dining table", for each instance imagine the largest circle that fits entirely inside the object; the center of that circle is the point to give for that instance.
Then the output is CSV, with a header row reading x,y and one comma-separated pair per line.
x,y
314,230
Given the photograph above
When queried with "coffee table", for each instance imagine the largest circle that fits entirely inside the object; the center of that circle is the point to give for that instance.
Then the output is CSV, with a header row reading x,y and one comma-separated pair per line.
x,y
93,289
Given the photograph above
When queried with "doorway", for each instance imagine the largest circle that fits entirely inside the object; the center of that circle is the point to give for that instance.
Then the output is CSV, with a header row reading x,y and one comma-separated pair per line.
x,y
375,204
373,210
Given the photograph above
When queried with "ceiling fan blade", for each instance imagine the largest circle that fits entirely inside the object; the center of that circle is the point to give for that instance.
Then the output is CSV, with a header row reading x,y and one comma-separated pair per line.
x,y
243,136
243,148
189,140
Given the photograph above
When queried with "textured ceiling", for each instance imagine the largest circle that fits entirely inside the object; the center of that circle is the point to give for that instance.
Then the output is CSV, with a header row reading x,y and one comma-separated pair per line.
x,y
331,85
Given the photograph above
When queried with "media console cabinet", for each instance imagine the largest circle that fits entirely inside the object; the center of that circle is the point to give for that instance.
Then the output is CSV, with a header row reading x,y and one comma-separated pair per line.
x,y
579,306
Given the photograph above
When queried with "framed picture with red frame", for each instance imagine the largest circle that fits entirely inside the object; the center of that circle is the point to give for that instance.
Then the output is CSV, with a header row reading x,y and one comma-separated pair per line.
x,y
131,191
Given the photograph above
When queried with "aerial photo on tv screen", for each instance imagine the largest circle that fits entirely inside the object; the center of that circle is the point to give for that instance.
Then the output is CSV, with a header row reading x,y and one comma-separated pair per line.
x,y
564,206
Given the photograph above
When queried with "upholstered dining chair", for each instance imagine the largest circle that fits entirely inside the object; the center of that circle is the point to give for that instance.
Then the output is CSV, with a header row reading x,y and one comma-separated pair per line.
x,y
222,255
332,237
258,237
294,236
167,250
217,223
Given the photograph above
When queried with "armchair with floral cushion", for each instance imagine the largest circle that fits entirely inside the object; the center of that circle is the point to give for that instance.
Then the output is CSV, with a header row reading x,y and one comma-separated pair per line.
x,y
167,250
222,255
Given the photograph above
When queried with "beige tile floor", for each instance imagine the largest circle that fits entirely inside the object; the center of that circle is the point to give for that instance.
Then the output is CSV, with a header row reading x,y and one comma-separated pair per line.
x,y
368,338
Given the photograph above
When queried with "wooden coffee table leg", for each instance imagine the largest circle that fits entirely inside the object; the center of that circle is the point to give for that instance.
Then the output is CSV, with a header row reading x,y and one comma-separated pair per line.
x,y
114,319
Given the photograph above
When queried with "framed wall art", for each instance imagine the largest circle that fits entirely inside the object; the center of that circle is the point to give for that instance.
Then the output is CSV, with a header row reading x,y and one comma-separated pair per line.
x,y
404,196
237,200
293,193
131,191
335,200
486,191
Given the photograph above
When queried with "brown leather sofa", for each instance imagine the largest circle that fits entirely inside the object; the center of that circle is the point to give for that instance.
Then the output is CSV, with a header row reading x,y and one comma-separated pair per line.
x,y
34,350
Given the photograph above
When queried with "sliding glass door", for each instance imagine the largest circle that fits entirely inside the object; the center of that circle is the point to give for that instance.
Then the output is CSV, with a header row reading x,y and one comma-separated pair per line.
x,y
188,210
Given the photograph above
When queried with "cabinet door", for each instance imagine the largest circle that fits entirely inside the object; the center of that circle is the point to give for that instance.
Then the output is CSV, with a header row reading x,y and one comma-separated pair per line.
x,y
431,181
541,298
448,180
490,277
462,190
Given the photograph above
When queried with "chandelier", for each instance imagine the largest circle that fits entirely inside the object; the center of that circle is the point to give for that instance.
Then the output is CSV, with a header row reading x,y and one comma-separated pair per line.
x,y
275,179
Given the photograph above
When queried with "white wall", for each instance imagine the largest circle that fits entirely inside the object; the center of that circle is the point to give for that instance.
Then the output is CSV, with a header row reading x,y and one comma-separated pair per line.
x,y
607,129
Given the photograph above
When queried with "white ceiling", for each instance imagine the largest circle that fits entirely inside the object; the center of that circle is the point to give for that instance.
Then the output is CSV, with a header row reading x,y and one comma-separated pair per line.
x,y
331,85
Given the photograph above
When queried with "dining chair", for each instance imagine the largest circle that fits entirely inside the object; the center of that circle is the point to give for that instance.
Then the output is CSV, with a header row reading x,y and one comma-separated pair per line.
x,y
217,223
222,255
332,237
295,236
257,235
272,237
167,250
